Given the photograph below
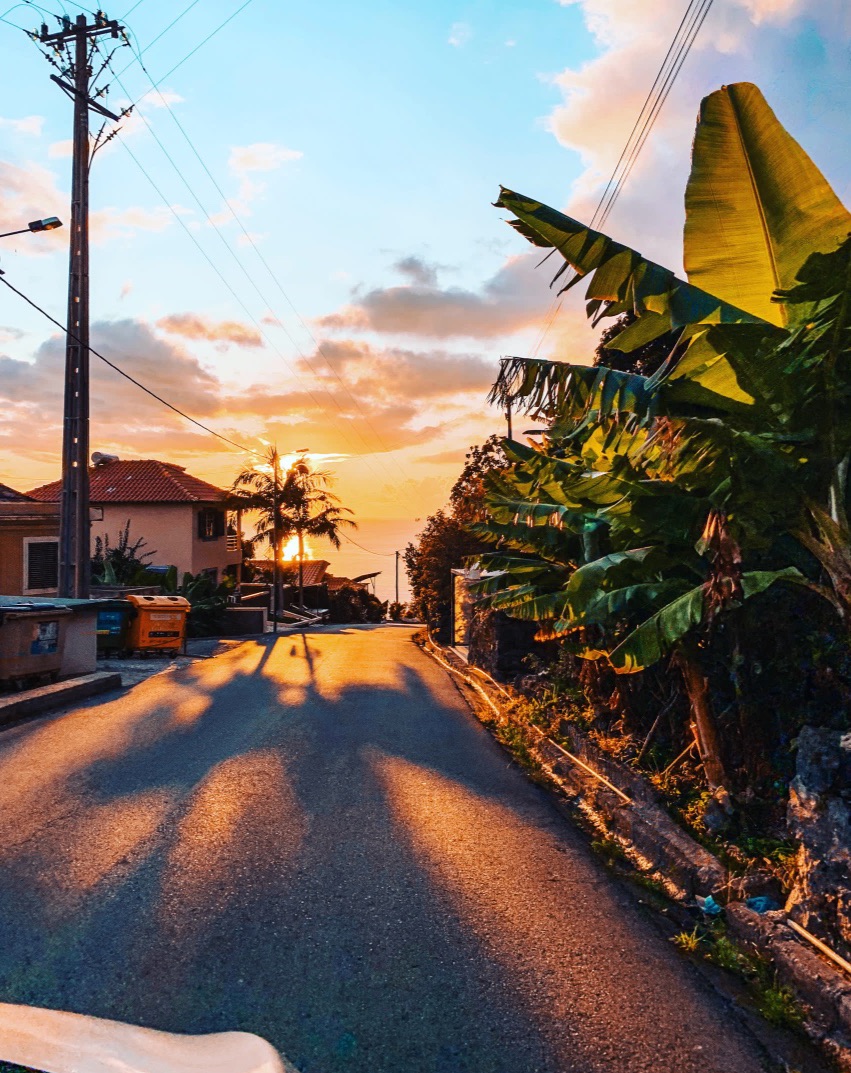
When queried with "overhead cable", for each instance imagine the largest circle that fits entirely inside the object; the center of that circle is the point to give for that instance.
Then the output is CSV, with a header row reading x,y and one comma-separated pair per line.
x,y
127,376
681,44
347,434
275,279
380,554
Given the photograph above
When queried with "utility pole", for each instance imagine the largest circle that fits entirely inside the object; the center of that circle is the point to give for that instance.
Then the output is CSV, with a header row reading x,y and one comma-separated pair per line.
x,y
276,553
74,538
397,577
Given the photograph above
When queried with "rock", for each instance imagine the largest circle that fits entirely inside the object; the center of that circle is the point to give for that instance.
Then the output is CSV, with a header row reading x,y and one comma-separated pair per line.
x,y
819,816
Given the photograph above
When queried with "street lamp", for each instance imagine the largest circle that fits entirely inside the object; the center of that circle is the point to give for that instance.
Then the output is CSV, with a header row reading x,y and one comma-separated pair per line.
x,y
49,224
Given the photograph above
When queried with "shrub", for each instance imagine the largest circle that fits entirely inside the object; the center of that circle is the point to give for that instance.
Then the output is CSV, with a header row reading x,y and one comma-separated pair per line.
x,y
351,603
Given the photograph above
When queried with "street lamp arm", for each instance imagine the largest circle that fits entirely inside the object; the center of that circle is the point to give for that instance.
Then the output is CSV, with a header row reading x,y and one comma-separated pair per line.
x,y
48,224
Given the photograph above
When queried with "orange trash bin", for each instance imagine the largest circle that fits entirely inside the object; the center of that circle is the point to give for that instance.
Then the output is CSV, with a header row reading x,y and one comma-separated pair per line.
x,y
157,622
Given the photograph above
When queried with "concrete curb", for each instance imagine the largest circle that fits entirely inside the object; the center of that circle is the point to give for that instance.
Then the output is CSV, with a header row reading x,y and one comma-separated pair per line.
x,y
824,990
57,695
657,846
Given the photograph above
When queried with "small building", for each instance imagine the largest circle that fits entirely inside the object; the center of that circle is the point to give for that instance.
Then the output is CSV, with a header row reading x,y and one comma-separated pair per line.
x,y
183,520
29,544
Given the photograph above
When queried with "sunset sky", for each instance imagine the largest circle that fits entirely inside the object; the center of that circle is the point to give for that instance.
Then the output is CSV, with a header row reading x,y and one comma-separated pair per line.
x,y
361,147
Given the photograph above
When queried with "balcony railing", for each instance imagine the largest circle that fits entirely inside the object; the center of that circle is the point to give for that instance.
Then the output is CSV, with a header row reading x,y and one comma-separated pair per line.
x,y
233,542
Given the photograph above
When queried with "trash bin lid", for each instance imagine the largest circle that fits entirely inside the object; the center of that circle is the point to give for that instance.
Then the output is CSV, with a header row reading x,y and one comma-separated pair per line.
x,y
176,603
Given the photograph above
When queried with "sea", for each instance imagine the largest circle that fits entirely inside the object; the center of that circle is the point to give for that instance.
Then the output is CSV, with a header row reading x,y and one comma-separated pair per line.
x,y
372,547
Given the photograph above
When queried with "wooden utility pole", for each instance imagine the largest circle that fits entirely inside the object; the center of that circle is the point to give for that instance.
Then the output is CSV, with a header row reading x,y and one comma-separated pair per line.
x,y
276,540
74,540
397,577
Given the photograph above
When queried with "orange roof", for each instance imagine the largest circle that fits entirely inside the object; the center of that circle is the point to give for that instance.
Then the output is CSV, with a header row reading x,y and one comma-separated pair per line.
x,y
143,480
314,569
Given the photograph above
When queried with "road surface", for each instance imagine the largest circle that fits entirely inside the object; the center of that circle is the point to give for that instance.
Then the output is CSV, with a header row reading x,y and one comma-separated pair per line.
x,y
313,839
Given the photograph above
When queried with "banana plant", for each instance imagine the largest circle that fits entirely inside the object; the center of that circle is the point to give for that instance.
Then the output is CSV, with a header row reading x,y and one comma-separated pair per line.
x,y
757,208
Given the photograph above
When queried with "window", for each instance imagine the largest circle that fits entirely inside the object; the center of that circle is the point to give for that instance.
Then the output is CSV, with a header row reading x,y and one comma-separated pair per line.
x,y
41,564
232,531
211,524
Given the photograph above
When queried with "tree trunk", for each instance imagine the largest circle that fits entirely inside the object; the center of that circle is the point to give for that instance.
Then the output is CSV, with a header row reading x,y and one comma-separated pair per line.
x,y
697,689
301,569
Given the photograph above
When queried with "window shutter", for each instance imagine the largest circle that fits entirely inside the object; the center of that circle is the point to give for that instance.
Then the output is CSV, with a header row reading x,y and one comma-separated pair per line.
x,y
43,565
219,529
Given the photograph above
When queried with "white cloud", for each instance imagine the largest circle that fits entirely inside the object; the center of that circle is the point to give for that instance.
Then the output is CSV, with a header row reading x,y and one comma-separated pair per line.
x,y
161,98
30,124
459,34
261,156
59,150
243,162
795,50
113,223
28,194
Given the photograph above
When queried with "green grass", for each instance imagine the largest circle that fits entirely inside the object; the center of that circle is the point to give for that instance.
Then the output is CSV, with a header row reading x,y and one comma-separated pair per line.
x,y
609,849
774,1001
778,1006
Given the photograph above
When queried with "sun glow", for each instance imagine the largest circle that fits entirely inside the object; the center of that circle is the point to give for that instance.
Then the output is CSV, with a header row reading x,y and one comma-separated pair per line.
x,y
289,552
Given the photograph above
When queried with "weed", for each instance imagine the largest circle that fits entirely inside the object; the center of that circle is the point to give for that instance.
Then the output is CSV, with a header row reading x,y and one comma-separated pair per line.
x,y
512,738
727,955
695,811
654,886
778,1005
609,849
689,941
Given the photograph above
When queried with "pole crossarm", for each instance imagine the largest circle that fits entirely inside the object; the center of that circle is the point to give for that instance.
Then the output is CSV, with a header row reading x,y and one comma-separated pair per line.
x,y
69,31
72,93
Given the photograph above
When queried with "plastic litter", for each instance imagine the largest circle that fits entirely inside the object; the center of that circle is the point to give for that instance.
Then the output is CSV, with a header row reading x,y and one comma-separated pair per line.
x,y
709,906
762,904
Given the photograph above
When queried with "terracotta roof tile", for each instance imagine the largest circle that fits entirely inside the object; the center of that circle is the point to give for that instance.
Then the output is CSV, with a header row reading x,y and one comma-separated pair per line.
x,y
314,571
143,480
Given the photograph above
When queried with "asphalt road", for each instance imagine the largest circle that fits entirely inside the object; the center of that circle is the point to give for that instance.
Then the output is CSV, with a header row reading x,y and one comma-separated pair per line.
x,y
314,840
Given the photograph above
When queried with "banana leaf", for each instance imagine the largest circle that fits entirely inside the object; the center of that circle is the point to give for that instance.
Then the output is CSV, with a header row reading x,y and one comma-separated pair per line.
x,y
756,205
657,636
620,278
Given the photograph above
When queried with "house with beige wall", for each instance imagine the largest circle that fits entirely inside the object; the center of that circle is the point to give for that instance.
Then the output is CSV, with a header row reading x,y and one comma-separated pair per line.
x,y
29,544
183,520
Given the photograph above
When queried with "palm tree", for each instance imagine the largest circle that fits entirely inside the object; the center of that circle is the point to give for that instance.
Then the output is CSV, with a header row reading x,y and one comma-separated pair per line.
x,y
295,502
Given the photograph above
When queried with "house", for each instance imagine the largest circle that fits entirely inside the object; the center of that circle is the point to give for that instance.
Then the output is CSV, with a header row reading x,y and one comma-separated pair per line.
x,y
183,520
29,543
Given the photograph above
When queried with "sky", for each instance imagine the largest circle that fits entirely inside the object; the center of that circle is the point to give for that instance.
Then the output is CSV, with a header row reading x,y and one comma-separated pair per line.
x,y
294,237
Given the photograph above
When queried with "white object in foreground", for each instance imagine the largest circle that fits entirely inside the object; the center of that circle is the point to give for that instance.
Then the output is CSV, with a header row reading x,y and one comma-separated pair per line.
x,y
59,1042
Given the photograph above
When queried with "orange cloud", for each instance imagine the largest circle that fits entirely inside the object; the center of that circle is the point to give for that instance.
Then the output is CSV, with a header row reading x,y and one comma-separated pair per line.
x,y
193,326
512,300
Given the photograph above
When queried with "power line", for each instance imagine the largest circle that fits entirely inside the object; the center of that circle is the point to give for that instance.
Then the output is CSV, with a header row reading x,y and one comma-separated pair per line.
x,y
252,281
200,45
155,85
380,554
226,282
679,60
127,376
162,33
681,43
644,107
250,239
